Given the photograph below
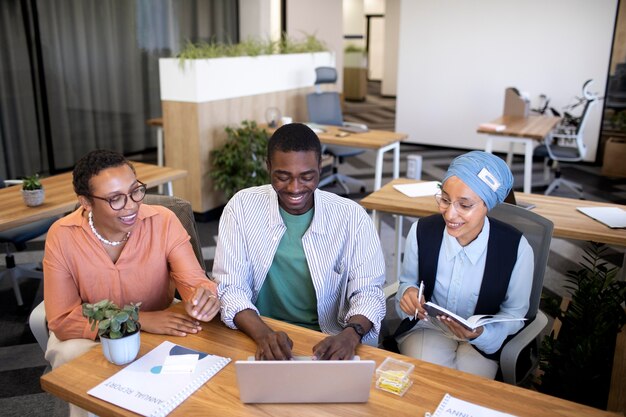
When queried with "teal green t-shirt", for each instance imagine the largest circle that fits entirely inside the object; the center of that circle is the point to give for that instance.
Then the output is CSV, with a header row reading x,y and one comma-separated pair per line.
x,y
288,293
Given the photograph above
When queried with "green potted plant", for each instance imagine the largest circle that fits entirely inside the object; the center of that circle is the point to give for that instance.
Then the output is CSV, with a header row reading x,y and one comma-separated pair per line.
x,y
32,191
576,363
118,329
240,162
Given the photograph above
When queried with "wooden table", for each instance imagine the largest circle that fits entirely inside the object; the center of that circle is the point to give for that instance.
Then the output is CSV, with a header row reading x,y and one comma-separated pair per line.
x,y
60,196
569,223
220,395
526,130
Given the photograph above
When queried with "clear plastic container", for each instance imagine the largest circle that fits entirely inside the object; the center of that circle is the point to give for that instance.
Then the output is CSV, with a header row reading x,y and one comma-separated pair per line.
x,y
393,376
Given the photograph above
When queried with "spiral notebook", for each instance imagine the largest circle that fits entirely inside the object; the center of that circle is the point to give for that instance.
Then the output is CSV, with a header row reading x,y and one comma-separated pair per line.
x,y
154,384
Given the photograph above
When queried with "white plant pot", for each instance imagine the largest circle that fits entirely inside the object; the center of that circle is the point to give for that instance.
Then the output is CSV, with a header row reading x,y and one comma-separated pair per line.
x,y
121,351
33,198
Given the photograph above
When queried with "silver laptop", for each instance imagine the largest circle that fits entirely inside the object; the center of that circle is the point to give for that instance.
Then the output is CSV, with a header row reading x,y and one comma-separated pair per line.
x,y
304,381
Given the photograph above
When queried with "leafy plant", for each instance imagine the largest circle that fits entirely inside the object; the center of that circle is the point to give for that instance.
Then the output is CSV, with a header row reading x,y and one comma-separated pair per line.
x,y
113,322
240,162
31,183
577,364
250,47
351,48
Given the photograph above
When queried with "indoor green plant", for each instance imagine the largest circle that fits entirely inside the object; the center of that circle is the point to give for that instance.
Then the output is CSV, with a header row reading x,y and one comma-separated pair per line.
x,y
250,47
576,363
240,162
32,191
118,329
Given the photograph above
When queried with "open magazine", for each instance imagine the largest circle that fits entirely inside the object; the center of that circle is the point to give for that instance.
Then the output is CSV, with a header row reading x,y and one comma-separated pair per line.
x,y
470,323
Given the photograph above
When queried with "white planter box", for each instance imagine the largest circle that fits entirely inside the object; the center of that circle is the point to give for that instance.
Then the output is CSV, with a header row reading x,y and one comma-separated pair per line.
x,y
205,80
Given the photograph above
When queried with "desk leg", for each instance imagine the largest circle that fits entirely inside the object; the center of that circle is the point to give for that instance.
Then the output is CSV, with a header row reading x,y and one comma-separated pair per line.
x,y
397,247
160,153
396,161
489,145
168,189
509,155
528,167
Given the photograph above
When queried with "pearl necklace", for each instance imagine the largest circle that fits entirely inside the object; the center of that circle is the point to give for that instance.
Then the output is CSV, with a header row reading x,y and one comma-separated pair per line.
x,y
100,238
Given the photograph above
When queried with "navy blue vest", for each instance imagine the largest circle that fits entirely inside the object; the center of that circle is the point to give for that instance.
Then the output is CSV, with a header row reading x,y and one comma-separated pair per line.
x,y
502,250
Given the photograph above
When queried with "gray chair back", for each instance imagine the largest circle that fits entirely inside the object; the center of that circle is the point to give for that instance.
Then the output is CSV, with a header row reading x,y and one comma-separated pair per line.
x,y
184,212
538,231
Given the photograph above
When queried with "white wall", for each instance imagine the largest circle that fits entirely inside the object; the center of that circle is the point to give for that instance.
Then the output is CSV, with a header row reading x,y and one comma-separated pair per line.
x,y
389,83
259,19
457,57
323,18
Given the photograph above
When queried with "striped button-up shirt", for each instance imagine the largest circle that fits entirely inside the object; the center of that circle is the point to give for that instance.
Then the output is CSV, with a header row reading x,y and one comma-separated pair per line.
x,y
341,246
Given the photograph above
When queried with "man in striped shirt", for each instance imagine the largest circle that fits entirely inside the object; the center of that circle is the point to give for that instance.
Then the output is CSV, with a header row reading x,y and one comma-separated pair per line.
x,y
295,253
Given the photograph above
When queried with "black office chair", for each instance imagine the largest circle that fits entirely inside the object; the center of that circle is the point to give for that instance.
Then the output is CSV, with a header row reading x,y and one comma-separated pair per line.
x,y
324,108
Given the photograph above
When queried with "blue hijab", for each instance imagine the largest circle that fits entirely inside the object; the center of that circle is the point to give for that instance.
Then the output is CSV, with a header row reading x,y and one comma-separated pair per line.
x,y
486,174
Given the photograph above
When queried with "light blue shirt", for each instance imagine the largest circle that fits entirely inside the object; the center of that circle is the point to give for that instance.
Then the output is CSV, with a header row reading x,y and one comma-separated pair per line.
x,y
459,277
341,246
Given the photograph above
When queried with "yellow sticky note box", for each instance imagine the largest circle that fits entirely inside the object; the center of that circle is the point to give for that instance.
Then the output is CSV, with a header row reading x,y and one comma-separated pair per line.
x,y
393,376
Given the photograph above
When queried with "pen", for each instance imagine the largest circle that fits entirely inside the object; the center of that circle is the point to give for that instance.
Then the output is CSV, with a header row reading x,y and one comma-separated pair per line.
x,y
419,296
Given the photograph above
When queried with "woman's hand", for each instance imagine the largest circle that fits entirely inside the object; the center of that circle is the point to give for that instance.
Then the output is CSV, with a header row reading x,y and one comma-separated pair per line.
x,y
203,305
460,331
167,322
410,304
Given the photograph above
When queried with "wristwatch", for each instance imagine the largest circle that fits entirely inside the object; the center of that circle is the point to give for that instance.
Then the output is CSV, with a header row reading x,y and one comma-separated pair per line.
x,y
357,328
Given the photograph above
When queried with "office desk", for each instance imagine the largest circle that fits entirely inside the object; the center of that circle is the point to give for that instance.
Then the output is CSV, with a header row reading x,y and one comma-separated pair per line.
x,y
60,196
569,223
379,140
220,395
525,130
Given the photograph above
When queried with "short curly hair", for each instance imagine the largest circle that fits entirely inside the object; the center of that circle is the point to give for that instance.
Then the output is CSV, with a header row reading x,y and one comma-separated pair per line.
x,y
294,137
91,164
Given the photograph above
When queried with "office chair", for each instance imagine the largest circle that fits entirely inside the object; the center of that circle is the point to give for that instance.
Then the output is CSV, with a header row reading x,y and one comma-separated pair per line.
x,y
324,108
17,237
184,212
520,353
566,144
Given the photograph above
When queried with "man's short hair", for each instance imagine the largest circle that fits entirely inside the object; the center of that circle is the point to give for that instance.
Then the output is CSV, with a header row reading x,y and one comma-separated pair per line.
x,y
91,164
294,137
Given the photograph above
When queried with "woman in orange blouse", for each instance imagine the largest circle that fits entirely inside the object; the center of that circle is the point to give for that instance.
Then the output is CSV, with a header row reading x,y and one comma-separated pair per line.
x,y
114,247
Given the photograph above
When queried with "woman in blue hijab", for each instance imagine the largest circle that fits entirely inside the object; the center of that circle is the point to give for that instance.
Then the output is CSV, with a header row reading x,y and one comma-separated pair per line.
x,y
467,263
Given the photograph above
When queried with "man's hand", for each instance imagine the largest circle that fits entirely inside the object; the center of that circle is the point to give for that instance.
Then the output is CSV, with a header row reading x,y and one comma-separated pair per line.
x,y
270,345
273,346
203,305
167,322
338,347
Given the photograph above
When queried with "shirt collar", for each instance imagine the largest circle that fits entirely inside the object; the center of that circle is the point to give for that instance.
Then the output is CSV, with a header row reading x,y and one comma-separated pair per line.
x,y
317,224
473,251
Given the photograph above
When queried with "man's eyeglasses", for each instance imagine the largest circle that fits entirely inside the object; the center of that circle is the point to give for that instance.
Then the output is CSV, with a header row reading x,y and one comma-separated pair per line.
x,y
462,207
118,201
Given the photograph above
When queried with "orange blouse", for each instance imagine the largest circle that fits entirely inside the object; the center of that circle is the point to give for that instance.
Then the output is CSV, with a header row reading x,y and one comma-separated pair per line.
x,y
77,269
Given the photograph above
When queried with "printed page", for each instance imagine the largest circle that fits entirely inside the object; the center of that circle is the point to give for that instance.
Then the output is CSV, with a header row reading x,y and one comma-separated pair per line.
x,y
142,387
454,407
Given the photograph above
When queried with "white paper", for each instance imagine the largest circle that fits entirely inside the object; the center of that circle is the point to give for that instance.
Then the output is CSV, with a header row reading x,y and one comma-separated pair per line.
x,y
418,189
613,217
180,363
492,126
143,387
453,407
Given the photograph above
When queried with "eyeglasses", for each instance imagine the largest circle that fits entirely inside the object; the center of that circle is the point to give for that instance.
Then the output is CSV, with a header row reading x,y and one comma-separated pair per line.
x,y
118,201
462,207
